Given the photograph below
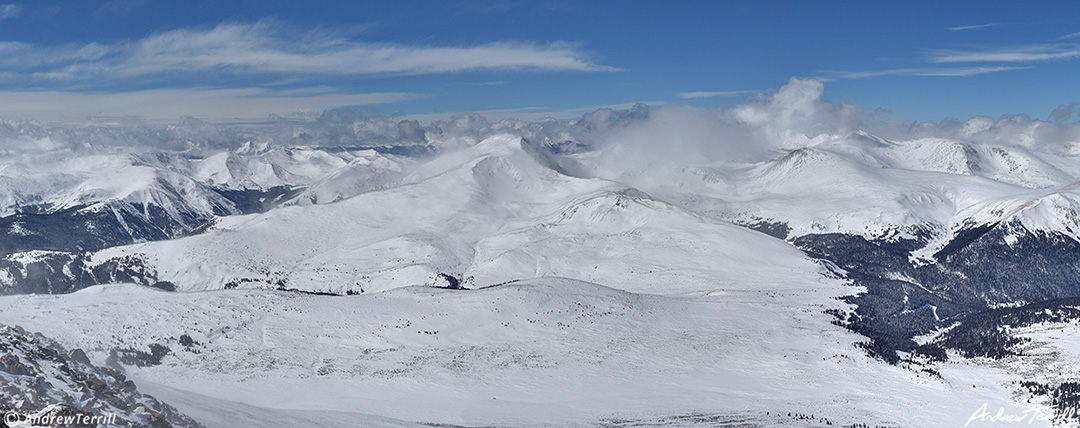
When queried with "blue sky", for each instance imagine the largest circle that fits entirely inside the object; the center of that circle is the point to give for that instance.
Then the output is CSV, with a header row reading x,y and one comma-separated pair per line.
x,y
242,60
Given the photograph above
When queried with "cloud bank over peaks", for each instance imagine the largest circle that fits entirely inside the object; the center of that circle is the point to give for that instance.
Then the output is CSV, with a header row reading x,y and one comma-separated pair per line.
x,y
647,149
642,141
793,116
1063,113
1010,131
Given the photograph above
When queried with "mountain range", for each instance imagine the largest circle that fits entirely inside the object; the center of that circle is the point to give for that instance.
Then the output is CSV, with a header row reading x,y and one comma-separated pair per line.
x,y
530,277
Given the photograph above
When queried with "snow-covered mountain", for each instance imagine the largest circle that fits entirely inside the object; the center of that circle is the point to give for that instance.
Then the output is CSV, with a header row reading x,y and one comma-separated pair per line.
x,y
766,265
71,200
486,215
58,207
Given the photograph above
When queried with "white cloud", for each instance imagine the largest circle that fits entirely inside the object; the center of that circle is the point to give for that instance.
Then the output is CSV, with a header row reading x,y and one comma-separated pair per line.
x,y
1070,36
944,72
1064,112
218,105
8,11
17,55
1016,54
1015,130
266,47
972,27
793,115
693,95
643,146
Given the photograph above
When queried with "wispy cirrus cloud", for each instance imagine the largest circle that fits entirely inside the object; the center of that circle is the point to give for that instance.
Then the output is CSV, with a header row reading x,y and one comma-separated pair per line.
x,y
941,72
1028,53
268,48
973,27
17,56
718,94
8,11
1070,36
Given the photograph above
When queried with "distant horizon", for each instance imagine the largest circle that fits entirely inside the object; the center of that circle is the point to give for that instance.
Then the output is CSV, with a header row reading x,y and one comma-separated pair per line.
x,y
793,117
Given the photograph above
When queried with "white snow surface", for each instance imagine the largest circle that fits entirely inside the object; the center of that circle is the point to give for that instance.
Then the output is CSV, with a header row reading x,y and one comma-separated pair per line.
x,y
928,188
58,180
540,352
600,287
501,210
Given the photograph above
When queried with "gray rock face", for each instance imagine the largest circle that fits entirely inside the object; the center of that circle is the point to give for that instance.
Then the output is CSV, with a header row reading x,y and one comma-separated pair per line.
x,y
40,379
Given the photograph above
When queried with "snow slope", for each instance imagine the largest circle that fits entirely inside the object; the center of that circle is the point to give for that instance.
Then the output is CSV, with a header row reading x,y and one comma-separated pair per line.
x,y
487,215
595,295
538,352
55,181
923,189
